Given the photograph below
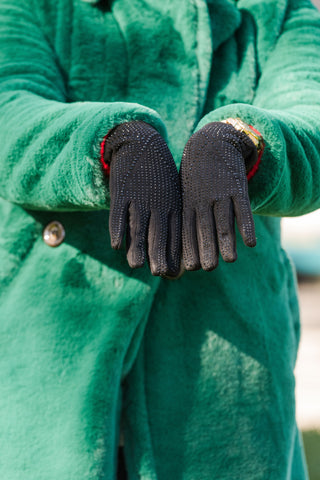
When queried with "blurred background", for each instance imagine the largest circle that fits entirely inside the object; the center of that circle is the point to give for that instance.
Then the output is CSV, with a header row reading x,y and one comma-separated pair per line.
x,y
301,238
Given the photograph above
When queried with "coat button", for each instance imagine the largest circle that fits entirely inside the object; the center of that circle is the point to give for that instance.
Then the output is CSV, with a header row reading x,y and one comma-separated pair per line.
x,y
53,234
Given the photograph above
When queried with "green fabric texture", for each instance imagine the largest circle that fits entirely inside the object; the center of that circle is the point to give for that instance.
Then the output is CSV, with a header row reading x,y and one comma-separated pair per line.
x,y
199,371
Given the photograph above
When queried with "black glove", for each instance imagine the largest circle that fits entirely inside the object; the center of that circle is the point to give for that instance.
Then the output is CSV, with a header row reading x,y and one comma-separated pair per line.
x,y
214,191
145,197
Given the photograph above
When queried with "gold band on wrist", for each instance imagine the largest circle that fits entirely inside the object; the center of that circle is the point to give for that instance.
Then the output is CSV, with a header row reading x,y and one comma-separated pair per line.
x,y
249,130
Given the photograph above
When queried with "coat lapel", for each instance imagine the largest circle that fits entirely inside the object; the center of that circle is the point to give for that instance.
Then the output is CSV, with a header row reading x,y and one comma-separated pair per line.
x,y
199,27
217,21
225,18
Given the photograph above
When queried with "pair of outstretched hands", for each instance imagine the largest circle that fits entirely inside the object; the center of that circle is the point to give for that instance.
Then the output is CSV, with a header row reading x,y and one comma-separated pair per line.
x,y
168,216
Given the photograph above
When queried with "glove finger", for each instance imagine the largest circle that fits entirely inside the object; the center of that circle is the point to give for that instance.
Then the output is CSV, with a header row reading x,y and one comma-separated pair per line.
x,y
174,244
207,239
157,244
190,251
117,223
245,220
224,217
137,236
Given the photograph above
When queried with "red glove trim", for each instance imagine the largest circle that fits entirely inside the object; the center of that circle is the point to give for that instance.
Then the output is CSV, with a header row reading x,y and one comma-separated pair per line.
x,y
105,165
255,167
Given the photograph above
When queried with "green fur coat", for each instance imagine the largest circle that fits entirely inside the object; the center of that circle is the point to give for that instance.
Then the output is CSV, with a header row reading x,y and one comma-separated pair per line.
x,y
199,371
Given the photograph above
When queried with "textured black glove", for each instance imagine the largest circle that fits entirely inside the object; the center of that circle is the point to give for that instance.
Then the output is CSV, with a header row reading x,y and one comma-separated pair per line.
x,y
145,197
214,191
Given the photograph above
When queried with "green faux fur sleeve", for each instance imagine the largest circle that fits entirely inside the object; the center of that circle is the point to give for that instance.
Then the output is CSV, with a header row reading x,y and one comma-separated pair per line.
x,y
286,110
49,155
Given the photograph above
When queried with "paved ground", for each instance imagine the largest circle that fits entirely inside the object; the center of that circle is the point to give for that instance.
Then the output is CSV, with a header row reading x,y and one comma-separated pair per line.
x,y
308,365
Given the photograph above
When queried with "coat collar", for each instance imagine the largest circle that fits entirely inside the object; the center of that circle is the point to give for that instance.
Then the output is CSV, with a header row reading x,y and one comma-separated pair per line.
x,y
225,19
224,15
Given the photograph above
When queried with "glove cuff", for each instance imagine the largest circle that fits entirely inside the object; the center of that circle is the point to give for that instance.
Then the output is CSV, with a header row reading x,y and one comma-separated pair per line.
x,y
129,131
104,163
249,135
